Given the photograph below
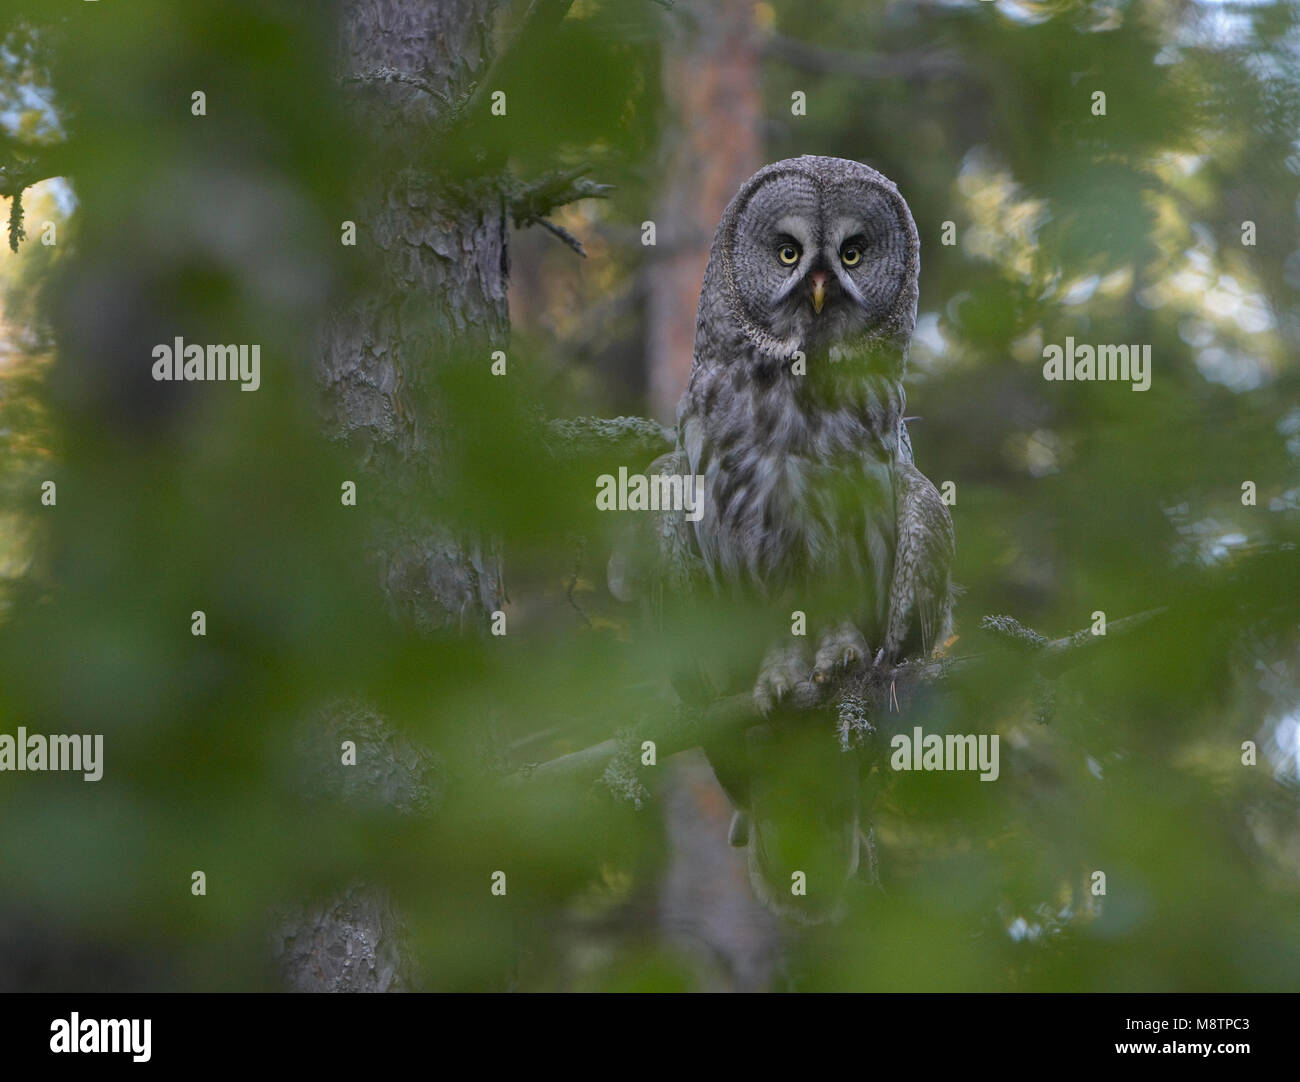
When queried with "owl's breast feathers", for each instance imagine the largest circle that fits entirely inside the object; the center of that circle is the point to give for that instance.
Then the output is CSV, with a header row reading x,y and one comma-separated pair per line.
x,y
798,478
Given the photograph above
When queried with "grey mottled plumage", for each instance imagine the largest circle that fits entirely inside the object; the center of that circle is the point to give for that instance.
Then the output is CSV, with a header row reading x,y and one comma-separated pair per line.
x,y
794,416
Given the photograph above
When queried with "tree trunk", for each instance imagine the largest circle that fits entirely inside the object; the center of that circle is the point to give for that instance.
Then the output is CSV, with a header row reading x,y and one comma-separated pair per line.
x,y
711,78
436,295
711,81
439,295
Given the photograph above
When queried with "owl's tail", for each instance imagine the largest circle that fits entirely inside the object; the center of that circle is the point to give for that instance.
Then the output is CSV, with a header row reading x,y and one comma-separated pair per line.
x,y
801,821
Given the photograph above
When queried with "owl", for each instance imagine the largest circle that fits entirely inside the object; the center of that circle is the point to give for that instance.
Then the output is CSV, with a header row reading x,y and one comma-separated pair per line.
x,y
819,548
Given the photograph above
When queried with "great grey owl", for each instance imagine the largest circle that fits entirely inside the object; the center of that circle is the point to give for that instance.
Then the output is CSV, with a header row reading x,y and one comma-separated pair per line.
x,y
793,415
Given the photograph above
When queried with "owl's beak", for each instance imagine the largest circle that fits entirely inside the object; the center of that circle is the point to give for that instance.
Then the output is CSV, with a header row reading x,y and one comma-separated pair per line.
x,y
819,279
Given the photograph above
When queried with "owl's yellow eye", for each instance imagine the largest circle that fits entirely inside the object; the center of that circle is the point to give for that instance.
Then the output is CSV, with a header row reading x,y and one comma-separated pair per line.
x,y
851,256
788,254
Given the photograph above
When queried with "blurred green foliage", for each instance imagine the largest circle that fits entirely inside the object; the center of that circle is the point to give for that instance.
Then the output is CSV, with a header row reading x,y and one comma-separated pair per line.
x,y
1071,498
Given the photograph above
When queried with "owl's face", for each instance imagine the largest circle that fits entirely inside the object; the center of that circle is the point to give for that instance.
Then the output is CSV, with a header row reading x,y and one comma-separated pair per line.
x,y
820,260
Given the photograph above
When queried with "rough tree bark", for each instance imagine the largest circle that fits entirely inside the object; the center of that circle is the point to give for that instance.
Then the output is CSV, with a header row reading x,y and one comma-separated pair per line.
x,y
437,295
442,293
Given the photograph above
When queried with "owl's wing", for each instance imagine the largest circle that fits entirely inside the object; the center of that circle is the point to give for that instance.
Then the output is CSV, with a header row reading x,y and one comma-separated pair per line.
x,y
920,597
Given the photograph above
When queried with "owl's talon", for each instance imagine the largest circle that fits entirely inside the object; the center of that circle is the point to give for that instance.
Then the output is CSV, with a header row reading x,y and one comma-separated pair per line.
x,y
849,656
842,649
783,670
767,699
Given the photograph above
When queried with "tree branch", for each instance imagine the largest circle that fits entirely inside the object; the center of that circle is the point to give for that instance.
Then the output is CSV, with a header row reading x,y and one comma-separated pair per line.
x,y
22,167
392,75
1057,655
530,203
873,691
590,437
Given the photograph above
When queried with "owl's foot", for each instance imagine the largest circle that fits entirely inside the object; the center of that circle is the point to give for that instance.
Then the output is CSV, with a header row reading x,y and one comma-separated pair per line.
x,y
784,670
842,648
